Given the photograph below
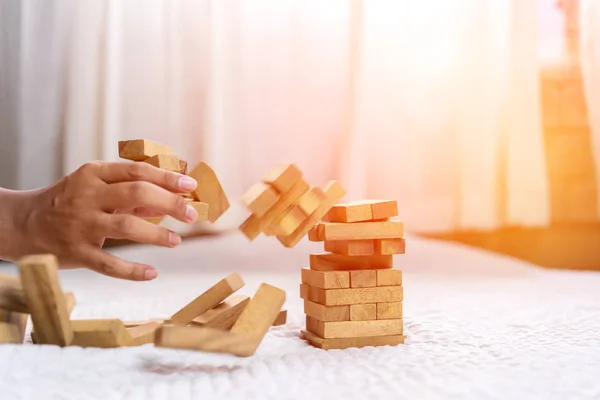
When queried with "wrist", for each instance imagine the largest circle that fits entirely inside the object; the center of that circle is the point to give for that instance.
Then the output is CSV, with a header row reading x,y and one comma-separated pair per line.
x,y
15,207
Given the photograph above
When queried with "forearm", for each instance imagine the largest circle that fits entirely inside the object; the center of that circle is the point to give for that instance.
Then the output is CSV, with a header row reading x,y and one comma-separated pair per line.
x,y
13,214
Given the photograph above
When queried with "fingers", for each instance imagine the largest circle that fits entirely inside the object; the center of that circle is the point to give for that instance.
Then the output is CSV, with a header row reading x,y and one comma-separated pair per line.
x,y
107,264
129,195
123,226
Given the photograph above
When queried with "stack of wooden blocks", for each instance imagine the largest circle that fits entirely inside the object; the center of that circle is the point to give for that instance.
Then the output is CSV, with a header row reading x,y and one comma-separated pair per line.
x,y
352,295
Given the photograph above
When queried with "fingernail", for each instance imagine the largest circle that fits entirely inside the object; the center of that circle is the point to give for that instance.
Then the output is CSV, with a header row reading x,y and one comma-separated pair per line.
x,y
150,274
174,239
190,213
187,184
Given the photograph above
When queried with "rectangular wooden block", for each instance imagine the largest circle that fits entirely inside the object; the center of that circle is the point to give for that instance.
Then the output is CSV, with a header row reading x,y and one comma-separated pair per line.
x,y
351,247
384,208
363,230
209,299
290,221
19,321
183,167
311,200
326,313
170,162
339,262
315,234
283,177
12,296
389,246
201,208
9,333
346,343
389,277
254,225
224,315
103,333
363,278
350,212
326,279
363,312
340,297
260,198
141,149
45,300
389,310
281,318
334,192
143,334
209,191
133,324
205,339
348,329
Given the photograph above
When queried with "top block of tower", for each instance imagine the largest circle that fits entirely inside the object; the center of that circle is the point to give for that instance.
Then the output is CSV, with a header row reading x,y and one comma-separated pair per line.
x,y
141,149
283,177
367,210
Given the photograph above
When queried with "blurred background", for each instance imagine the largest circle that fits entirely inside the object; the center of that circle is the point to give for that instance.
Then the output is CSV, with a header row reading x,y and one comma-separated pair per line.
x,y
481,117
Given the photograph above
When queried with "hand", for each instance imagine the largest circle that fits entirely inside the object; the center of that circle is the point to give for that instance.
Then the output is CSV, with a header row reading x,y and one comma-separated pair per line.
x,y
72,218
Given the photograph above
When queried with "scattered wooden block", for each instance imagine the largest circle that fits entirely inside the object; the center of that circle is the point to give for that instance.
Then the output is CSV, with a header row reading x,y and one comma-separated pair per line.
x,y
169,162
133,324
316,234
183,166
389,246
260,198
69,304
350,212
281,318
16,333
384,208
12,296
389,277
254,225
364,247
224,315
363,278
143,334
389,310
290,221
334,192
311,200
102,333
326,313
283,177
209,191
205,339
363,230
141,149
45,300
9,333
363,312
326,279
201,208
345,343
341,297
339,262
209,299
347,329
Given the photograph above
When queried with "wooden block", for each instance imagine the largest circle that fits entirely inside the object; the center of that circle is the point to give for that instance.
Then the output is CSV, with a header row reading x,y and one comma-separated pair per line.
x,y
351,247
254,225
70,302
143,334
334,192
350,212
339,262
201,208
363,278
183,166
18,321
326,279
205,339
311,200
283,177
103,333
9,333
363,312
326,313
281,318
289,222
209,299
316,234
348,329
388,246
384,208
12,296
209,191
389,277
363,230
260,198
133,324
224,315
141,149
260,313
389,310
169,162
341,297
346,343
45,300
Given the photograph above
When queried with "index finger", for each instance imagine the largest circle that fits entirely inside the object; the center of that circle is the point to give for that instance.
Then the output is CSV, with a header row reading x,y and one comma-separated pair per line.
x,y
115,172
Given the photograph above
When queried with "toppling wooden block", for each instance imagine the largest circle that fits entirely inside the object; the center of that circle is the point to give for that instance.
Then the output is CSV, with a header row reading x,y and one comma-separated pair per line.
x,y
133,324
289,222
69,304
209,299
281,318
224,315
260,313
183,167
12,326
391,310
346,343
388,246
141,149
205,339
201,208
315,234
362,230
326,279
311,200
12,296
326,313
143,334
340,297
209,191
351,329
365,210
363,312
337,262
260,198
103,333
365,247
170,162
283,177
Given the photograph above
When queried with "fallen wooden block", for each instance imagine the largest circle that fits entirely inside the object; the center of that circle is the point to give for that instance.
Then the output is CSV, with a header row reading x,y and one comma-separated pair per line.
x,y
260,313
363,278
16,333
170,162
102,333
283,177
326,279
69,304
9,333
315,234
326,313
143,334
388,246
362,230
224,315
365,247
209,191
12,296
337,262
133,324
389,277
363,312
260,198
311,200
345,343
348,329
205,339
281,318
201,208
389,310
340,297
141,149
209,299
45,300
289,221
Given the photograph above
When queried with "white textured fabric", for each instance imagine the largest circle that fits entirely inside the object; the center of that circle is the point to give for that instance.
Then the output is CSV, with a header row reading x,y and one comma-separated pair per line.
x,y
479,326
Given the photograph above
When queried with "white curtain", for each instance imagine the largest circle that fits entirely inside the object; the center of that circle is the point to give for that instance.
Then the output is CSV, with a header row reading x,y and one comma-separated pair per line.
x,y
431,102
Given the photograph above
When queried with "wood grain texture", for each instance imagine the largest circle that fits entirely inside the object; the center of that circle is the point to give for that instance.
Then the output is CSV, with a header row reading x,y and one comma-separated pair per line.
x,y
143,334
350,212
45,300
205,339
363,312
348,329
346,343
389,310
389,277
363,230
364,247
170,162
260,198
224,315
326,279
339,262
363,278
209,191
311,200
283,177
326,313
389,246
102,333
384,208
209,299
141,149
340,297
260,313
